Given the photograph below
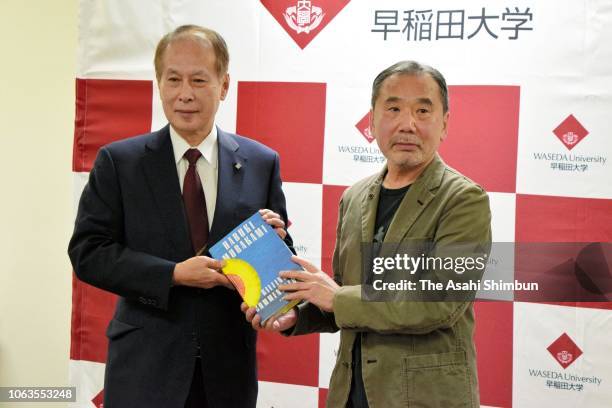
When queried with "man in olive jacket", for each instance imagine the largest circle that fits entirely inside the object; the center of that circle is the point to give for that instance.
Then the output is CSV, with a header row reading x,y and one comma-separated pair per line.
x,y
398,353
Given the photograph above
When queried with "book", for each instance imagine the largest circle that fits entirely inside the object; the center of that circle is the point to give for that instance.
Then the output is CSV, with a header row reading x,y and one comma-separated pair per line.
x,y
254,255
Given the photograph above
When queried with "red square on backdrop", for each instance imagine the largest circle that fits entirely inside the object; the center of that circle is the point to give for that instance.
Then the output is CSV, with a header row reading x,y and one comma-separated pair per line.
x,y
323,397
290,118
108,110
482,139
549,219
494,350
92,309
331,199
289,360
562,219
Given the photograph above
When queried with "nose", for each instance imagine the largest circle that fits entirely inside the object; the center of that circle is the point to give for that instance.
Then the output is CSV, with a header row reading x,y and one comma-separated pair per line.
x,y
407,122
186,92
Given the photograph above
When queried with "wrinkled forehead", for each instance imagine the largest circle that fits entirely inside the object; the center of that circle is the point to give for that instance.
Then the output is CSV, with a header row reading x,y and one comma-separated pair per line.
x,y
422,86
196,39
188,51
423,78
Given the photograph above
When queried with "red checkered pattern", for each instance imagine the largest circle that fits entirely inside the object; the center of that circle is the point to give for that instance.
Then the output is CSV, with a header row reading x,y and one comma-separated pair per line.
x,y
288,101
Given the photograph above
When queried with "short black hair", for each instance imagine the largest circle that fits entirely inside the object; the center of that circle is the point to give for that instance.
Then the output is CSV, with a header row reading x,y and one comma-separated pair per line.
x,y
411,68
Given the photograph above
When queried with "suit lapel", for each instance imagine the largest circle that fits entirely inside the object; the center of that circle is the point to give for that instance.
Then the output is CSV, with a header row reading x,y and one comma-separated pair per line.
x,y
415,201
232,167
162,178
369,206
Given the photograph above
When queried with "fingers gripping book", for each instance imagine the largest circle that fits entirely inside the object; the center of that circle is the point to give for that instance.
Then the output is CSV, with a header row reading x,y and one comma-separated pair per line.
x,y
254,255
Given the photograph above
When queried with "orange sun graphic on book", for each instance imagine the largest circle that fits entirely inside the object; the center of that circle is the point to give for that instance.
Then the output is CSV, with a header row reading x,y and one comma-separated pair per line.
x,y
245,279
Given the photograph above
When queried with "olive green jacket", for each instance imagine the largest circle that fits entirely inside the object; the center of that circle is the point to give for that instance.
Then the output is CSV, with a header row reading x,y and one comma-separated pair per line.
x,y
414,354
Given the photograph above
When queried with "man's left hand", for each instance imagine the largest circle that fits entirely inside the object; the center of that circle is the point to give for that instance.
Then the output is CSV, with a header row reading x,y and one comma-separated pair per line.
x,y
313,285
277,323
275,221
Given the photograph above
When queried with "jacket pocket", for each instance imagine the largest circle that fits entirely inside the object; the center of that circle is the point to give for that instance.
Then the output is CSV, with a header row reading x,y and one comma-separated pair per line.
x,y
117,329
437,380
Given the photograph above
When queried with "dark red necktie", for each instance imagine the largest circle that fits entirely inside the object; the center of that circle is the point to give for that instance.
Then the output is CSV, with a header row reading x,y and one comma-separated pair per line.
x,y
195,202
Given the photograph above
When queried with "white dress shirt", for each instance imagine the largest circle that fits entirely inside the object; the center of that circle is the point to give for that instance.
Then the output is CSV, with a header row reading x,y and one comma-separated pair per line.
x,y
206,166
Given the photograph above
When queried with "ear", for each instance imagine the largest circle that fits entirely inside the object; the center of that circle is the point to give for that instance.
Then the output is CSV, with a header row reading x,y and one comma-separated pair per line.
x,y
371,119
225,85
445,126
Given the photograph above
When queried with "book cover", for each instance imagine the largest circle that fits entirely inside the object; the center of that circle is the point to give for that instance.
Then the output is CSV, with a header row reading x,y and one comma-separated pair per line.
x,y
254,255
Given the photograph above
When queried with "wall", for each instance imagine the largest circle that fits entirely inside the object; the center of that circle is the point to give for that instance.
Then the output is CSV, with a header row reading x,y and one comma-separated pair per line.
x,y
37,110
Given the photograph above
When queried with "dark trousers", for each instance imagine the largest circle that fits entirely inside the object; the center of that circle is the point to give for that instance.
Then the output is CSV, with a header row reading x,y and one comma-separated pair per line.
x,y
357,395
197,395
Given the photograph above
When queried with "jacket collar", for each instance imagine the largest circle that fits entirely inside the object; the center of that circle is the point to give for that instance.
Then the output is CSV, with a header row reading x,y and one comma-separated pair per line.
x,y
161,175
233,165
421,192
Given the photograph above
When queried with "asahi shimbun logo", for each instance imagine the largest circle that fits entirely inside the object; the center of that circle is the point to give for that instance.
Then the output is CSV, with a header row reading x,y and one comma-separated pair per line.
x,y
570,132
304,19
564,350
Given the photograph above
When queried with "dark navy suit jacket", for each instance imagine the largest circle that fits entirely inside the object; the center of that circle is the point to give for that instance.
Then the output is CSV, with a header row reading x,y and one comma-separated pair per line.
x,y
130,230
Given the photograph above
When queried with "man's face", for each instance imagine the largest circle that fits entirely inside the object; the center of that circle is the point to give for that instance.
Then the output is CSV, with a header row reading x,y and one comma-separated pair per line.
x,y
190,88
408,120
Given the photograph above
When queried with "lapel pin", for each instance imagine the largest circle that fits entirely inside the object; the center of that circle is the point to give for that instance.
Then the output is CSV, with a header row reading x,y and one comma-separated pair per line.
x,y
237,166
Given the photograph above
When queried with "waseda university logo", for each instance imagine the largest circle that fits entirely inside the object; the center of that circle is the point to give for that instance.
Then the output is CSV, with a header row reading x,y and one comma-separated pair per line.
x,y
363,126
303,20
564,351
304,17
570,132
366,153
360,151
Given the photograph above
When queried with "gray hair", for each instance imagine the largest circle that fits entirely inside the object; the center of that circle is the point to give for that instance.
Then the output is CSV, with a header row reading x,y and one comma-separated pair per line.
x,y
411,68
218,44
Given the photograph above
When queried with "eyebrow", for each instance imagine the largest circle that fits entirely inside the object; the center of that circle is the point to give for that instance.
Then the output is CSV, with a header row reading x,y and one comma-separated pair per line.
x,y
393,99
174,71
425,101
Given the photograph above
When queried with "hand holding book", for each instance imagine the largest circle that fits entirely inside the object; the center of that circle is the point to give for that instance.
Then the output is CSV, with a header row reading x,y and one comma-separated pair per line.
x,y
277,323
275,221
254,254
312,285
200,272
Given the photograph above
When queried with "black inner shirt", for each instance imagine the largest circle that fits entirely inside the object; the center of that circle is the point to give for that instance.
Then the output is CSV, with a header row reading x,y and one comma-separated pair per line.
x,y
388,203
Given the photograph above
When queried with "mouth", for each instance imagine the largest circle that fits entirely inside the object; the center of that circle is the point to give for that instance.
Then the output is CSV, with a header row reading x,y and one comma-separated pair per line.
x,y
406,146
185,111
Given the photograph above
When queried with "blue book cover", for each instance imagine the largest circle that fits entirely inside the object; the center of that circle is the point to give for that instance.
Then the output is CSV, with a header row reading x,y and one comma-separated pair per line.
x,y
254,255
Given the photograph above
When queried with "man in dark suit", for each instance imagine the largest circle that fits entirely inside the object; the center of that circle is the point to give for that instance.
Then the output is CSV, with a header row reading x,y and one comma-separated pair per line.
x,y
152,205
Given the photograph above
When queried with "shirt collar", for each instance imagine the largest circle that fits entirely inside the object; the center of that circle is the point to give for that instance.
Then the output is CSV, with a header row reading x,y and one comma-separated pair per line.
x,y
207,147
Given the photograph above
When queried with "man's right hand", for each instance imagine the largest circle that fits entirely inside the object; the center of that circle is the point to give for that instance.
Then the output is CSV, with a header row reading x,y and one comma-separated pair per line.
x,y
278,323
200,272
